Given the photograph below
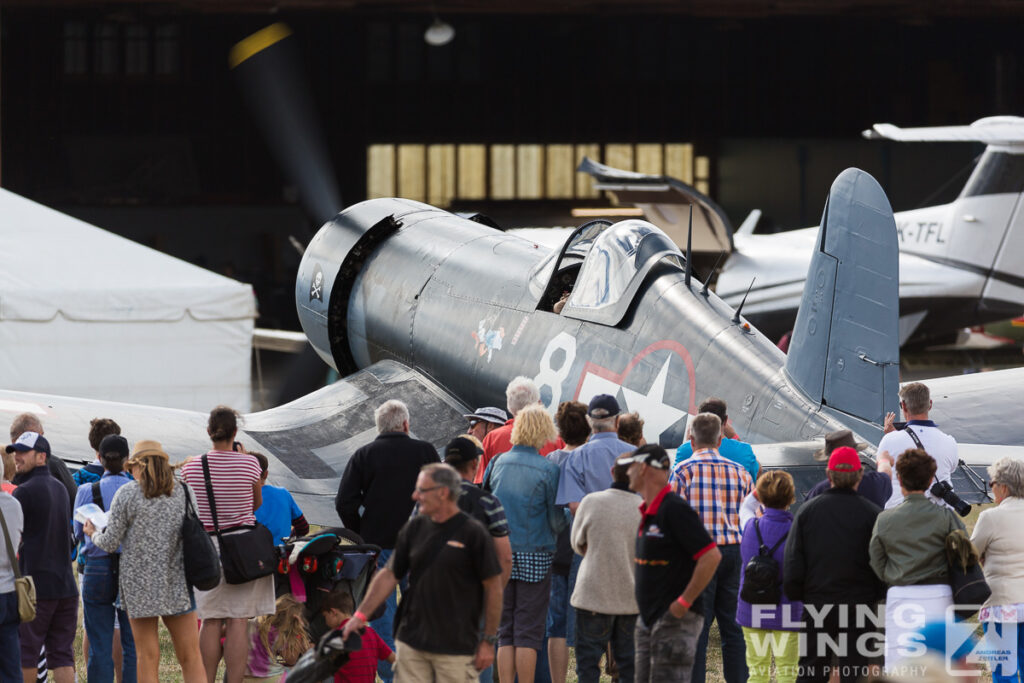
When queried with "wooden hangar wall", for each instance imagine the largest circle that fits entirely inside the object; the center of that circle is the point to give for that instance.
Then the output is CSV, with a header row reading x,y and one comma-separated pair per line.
x,y
129,116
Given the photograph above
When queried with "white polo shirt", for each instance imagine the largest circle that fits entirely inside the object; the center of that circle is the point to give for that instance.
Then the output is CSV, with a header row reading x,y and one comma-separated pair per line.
x,y
937,444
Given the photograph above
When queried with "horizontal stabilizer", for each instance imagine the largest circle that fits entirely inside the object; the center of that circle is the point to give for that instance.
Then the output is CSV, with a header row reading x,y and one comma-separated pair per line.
x,y
994,130
666,202
844,351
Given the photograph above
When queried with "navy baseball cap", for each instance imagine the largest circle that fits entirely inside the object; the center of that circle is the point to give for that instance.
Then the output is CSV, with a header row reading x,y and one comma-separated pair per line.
x,y
114,445
602,406
30,441
461,450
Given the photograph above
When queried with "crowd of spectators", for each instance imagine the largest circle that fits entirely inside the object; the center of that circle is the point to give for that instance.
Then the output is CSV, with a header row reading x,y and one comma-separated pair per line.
x,y
577,532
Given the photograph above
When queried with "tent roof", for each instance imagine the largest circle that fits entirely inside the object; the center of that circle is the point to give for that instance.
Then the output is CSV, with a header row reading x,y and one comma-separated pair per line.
x,y
54,264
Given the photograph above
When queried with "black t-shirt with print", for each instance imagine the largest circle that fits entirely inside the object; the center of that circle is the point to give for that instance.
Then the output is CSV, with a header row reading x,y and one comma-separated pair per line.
x,y
669,542
445,603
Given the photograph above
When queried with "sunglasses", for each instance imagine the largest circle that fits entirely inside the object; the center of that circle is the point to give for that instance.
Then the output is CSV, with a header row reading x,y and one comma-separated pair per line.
x,y
992,483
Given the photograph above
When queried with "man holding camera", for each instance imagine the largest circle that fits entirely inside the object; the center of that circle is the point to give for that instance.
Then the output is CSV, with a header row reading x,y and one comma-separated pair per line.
x,y
918,432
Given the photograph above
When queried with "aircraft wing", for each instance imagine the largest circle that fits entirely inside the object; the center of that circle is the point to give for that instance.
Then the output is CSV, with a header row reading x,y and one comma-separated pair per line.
x,y
666,202
308,441
982,408
970,480
994,130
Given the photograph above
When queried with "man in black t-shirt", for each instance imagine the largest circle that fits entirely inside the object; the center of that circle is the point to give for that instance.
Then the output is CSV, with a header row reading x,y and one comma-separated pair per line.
x,y
675,560
454,576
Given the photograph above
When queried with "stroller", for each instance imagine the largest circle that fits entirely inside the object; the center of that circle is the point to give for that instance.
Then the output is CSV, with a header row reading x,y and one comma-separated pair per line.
x,y
310,568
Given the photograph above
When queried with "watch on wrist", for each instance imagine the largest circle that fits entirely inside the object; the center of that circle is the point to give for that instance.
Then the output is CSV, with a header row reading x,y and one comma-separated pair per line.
x,y
493,640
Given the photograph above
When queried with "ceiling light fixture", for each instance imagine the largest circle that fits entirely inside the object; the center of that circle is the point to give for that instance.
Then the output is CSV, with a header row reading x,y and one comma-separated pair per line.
x,y
439,33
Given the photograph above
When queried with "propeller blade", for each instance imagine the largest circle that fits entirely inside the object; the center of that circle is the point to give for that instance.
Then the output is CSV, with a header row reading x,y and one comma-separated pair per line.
x,y
266,67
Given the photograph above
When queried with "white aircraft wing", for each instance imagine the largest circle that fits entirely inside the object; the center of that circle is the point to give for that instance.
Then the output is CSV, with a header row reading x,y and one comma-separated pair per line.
x,y
993,130
308,441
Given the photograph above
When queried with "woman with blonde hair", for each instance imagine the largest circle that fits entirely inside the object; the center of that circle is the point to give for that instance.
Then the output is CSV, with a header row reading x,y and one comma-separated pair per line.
x,y
1001,546
526,483
145,520
277,641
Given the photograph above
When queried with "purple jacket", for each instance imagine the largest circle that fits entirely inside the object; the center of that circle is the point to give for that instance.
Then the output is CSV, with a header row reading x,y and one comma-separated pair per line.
x,y
787,615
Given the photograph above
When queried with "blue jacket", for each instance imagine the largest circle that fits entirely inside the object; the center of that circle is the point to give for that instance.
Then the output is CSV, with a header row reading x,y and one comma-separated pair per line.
x,y
526,483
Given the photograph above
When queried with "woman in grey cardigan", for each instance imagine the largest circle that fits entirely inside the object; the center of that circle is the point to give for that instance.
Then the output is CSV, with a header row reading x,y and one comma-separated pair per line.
x,y
1000,543
145,520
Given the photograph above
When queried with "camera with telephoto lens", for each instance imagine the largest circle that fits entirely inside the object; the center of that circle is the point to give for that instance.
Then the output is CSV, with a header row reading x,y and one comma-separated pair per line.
x,y
944,491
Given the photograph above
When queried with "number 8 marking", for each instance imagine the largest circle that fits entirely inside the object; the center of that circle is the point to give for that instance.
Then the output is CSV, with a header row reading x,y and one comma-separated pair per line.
x,y
554,377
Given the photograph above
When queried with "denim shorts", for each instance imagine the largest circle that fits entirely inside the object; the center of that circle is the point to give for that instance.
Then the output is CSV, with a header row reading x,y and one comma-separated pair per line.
x,y
561,615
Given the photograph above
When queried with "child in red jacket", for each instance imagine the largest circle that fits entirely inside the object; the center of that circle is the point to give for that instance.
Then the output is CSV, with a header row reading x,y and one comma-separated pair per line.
x,y
362,665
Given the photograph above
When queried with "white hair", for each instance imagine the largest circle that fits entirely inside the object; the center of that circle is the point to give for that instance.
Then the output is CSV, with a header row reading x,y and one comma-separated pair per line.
x,y
602,424
390,415
521,392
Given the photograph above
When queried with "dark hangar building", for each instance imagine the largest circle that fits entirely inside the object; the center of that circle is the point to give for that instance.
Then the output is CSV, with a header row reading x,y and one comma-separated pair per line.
x,y
125,114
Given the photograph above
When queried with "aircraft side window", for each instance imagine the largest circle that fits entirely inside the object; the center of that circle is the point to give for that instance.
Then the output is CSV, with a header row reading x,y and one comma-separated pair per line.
x,y
996,173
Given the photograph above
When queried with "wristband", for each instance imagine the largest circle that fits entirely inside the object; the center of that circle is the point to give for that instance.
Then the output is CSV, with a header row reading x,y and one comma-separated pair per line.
x,y
682,601
361,617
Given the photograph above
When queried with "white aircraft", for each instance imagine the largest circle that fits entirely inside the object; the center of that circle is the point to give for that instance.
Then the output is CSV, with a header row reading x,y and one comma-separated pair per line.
x,y
961,264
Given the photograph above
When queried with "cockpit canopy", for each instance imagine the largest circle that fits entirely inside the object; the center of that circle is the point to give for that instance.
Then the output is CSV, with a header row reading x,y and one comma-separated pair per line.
x,y
603,266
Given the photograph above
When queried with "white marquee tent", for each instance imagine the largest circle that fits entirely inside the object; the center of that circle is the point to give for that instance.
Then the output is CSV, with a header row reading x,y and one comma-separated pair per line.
x,y
86,313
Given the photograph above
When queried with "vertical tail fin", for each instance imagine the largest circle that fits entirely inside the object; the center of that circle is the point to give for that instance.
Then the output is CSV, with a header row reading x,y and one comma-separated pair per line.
x,y
844,351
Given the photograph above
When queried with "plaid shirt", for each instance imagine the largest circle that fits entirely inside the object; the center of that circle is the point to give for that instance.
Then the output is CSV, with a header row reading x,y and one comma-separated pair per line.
x,y
530,567
715,488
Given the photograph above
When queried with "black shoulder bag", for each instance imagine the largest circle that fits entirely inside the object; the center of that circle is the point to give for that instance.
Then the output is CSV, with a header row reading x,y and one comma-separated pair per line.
x,y
440,541
247,551
761,575
202,566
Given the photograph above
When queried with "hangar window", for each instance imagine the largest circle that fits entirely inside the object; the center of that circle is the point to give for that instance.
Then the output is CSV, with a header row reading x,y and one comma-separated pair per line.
x,y
136,50
166,53
76,48
445,173
106,57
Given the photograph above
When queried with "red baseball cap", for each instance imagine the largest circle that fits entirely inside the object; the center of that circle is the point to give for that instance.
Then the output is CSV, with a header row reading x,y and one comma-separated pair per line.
x,y
844,459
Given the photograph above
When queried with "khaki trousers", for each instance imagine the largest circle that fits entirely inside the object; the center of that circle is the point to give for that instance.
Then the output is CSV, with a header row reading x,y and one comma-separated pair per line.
x,y
419,666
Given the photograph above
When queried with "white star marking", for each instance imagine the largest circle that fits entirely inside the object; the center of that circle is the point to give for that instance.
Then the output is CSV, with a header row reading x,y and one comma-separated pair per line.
x,y
657,415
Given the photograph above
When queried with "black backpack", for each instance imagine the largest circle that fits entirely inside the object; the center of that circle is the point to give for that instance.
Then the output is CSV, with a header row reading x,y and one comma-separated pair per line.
x,y
761,575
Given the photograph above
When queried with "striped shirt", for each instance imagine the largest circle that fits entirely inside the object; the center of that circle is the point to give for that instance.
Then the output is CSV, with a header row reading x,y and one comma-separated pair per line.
x,y
232,475
715,487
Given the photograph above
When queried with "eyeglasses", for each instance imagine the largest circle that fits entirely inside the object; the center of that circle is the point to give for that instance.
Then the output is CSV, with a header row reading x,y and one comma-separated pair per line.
x,y
428,489
473,423
992,483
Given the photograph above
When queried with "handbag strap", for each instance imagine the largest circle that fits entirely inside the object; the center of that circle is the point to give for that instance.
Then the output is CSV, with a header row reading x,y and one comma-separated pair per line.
x,y
209,495
188,499
10,548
